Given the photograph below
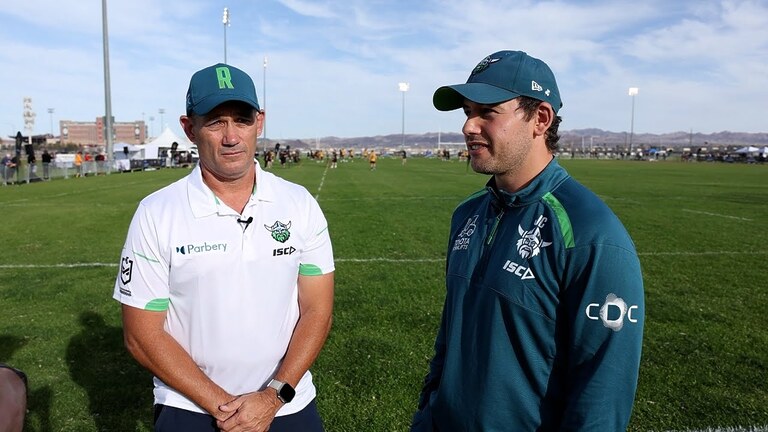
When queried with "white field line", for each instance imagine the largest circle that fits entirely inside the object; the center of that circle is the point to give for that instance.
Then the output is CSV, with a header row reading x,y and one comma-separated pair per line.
x,y
63,194
717,215
421,198
702,253
322,180
727,429
380,260
628,200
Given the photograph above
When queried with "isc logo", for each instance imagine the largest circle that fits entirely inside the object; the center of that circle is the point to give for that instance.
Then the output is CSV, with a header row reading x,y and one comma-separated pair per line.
x,y
283,251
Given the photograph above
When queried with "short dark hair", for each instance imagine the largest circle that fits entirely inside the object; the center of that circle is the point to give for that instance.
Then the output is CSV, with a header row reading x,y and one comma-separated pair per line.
x,y
529,106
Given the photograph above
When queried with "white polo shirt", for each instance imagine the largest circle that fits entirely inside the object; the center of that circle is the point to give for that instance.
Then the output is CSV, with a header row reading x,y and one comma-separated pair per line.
x,y
230,289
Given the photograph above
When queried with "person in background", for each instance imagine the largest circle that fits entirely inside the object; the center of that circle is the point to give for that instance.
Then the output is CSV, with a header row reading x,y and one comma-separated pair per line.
x,y
47,159
32,163
226,278
7,167
543,318
79,164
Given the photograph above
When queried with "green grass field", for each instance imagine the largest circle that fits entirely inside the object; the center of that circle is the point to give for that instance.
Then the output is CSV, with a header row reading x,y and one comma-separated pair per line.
x,y
701,231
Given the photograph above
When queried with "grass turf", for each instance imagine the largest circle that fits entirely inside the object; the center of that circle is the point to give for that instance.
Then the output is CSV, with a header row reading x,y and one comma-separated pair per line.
x,y
700,230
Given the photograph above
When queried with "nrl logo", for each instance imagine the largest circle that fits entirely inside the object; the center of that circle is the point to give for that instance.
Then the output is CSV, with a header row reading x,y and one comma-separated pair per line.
x,y
126,268
280,231
530,242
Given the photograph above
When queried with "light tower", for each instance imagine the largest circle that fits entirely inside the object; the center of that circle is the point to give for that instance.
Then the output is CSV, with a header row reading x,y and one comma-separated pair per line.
x,y
403,86
50,114
109,131
632,93
29,118
264,99
225,21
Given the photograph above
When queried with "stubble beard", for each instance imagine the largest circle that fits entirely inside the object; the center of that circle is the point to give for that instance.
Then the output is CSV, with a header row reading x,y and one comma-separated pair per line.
x,y
501,161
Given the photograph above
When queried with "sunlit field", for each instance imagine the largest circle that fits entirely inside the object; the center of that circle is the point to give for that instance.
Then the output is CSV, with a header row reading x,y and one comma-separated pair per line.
x,y
701,230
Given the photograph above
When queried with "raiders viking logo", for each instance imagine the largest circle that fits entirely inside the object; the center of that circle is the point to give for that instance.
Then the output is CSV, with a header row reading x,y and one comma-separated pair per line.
x,y
280,231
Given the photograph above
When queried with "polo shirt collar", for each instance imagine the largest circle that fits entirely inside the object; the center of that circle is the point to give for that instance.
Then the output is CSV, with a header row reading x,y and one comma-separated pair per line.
x,y
203,202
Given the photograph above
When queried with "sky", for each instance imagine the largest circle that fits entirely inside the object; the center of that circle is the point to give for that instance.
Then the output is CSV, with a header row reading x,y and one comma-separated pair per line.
x,y
334,66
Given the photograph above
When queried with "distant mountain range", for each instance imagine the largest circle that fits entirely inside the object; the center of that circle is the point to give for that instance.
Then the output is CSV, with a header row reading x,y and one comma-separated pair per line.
x,y
578,138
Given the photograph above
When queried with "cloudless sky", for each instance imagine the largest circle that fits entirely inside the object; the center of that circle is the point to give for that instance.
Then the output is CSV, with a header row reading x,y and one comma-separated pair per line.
x,y
333,66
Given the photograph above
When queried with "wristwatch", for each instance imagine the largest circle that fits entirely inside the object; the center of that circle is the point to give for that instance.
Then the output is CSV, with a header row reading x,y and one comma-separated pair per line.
x,y
285,391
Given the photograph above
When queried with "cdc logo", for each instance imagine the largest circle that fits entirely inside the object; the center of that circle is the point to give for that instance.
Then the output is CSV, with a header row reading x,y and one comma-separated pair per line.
x,y
612,313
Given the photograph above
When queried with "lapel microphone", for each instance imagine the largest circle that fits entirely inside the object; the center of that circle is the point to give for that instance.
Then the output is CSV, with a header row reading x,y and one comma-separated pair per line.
x,y
245,222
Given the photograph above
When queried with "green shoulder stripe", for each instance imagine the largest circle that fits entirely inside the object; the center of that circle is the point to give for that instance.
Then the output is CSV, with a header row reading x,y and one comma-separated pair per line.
x,y
157,305
145,257
562,219
474,195
309,270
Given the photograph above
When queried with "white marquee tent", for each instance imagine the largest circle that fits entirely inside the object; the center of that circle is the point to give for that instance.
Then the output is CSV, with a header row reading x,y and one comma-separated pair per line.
x,y
154,149
748,149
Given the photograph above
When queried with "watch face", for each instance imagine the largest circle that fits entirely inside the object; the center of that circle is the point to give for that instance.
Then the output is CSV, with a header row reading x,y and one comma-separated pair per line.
x,y
287,393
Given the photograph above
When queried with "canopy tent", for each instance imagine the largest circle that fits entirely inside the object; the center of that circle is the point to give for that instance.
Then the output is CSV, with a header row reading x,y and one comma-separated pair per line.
x,y
747,149
764,150
159,147
133,151
167,138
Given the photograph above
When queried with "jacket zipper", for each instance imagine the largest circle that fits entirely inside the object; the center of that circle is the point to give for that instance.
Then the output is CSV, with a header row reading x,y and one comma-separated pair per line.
x,y
482,265
490,237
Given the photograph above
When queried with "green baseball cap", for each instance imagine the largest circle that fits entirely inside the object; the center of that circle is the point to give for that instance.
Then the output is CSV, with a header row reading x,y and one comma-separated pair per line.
x,y
500,77
214,85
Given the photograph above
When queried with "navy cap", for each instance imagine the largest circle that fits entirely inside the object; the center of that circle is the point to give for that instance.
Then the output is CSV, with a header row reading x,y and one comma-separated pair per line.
x,y
214,85
500,77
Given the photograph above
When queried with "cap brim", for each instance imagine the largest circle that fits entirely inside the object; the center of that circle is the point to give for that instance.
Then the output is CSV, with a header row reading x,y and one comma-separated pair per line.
x,y
448,98
208,104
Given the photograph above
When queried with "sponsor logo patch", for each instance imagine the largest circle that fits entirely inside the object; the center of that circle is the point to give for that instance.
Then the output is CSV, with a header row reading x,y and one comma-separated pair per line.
x,y
518,270
283,251
462,242
613,313
205,247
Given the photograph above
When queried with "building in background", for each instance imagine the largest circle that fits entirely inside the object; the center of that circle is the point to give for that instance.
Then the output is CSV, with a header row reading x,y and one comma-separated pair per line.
x,y
92,133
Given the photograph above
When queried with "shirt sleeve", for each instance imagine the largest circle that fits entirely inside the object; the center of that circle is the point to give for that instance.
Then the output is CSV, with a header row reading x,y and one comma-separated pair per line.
x,y
317,255
605,303
142,279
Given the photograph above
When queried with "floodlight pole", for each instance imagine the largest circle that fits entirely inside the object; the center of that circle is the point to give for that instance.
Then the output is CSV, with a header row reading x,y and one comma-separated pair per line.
x,y
632,93
50,115
403,86
107,92
225,21
264,101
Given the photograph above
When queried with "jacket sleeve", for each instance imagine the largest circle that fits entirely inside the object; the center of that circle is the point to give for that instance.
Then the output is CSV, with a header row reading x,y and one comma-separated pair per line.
x,y
422,420
605,309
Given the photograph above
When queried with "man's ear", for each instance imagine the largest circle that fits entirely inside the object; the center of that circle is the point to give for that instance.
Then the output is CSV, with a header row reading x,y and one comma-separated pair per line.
x,y
187,125
261,117
544,117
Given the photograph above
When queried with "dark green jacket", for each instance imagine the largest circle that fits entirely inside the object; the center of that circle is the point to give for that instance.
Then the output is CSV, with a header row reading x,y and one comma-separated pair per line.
x,y
543,319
